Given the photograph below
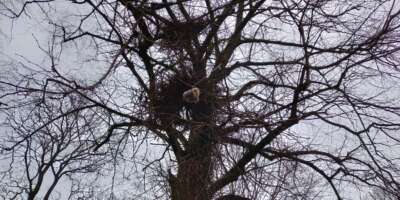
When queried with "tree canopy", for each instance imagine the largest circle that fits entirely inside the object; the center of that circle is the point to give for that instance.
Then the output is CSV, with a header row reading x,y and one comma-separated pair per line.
x,y
201,99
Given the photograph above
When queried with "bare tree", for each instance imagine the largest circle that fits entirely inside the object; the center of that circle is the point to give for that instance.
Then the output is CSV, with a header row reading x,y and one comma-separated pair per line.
x,y
230,99
47,143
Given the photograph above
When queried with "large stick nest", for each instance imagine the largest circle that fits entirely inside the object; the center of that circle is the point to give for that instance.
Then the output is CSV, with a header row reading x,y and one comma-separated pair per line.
x,y
178,35
168,105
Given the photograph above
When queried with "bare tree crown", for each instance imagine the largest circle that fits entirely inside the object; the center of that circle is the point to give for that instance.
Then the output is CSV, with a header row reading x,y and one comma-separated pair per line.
x,y
201,99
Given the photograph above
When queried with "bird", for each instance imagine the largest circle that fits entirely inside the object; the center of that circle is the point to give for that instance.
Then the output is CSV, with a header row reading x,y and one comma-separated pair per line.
x,y
192,95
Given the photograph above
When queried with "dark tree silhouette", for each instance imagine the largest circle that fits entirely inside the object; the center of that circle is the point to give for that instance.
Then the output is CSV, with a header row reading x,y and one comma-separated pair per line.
x,y
297,99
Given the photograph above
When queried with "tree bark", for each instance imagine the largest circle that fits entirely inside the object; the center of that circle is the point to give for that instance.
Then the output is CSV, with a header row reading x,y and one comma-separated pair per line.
x,y
195,168
193,178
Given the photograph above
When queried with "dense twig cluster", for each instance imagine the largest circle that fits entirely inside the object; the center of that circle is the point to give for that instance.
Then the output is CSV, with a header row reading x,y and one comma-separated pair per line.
x,y
179,35
168,102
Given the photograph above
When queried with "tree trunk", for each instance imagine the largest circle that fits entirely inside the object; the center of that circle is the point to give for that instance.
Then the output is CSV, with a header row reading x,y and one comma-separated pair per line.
x,y
195,168
194,171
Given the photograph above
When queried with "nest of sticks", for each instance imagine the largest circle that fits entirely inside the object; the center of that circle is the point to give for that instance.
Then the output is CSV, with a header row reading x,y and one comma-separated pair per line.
x,y
178,35
168,101
169,106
